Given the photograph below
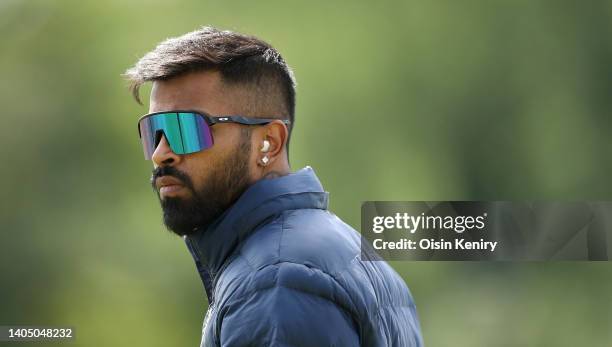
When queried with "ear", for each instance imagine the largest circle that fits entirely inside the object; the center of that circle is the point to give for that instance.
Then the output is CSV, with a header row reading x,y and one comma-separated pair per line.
x,y
276,134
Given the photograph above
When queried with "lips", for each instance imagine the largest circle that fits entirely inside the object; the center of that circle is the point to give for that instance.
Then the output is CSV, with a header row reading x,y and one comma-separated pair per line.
x,y
169,182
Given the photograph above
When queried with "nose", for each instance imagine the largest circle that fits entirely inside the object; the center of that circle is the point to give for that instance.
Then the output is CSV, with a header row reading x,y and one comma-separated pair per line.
x,y
163,154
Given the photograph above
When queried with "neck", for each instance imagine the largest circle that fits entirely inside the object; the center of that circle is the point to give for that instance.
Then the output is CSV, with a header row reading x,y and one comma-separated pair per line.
x,y
277,170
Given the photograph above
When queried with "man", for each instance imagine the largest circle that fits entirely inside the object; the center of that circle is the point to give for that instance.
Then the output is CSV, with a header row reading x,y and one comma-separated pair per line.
x,y
278,268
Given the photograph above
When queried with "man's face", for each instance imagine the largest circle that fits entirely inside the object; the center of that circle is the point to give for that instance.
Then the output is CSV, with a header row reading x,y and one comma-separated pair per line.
x,y
194,189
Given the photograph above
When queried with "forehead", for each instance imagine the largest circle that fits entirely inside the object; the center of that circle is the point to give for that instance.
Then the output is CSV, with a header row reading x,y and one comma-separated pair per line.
x,y
202,91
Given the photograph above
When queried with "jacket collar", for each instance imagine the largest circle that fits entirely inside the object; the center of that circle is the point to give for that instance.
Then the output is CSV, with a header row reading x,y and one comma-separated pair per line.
x,y
266,198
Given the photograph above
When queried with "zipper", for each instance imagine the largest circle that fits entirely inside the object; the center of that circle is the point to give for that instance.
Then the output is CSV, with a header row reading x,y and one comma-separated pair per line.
x,y
204,273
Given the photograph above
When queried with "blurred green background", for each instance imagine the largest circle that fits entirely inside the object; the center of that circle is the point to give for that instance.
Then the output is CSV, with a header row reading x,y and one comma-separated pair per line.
x,y
407,100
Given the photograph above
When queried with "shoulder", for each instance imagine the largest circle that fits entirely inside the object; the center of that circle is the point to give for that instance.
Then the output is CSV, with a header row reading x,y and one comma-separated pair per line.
x,y
312,237
311,258
301,250
288,304
312,251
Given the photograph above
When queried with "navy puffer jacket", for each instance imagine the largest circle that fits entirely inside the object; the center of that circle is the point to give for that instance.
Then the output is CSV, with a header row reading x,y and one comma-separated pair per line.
x,y
279,269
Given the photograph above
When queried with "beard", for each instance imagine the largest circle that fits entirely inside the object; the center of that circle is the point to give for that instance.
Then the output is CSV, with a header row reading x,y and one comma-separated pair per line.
x,y
223,186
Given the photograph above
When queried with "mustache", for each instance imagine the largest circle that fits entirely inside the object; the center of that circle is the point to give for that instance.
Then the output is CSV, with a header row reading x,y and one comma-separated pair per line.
x,y
170,171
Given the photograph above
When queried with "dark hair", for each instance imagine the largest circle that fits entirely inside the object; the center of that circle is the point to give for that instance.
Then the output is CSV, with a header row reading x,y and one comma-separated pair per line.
x,y
242,60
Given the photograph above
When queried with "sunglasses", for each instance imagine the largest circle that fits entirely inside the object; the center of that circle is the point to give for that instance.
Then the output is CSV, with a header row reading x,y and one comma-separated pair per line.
x,y
186,131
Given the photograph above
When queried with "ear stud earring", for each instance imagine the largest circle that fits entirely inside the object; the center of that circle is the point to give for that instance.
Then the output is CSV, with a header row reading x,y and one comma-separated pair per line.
x,y
265,160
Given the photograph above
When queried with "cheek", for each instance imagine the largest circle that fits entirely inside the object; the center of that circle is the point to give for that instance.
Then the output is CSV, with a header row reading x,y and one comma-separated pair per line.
x,y
198,166
202,165
226,142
